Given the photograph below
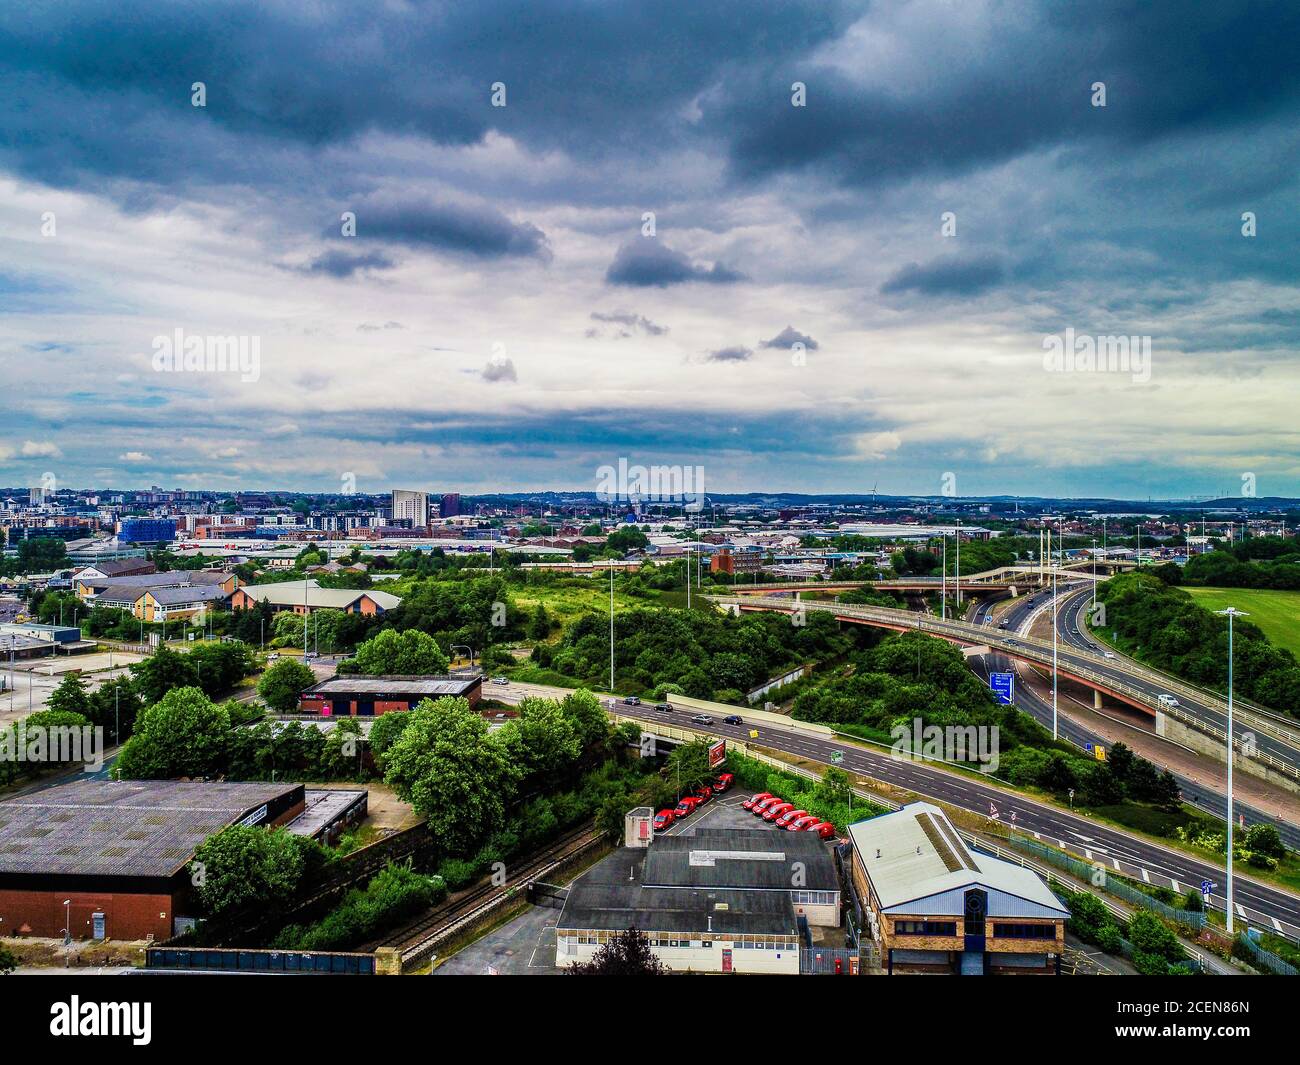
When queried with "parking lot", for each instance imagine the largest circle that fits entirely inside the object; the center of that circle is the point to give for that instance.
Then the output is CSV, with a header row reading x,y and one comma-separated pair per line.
x,y
722,812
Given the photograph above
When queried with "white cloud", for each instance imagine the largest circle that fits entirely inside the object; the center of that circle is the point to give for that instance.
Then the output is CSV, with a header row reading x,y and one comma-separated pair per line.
x,y
41,449
134,456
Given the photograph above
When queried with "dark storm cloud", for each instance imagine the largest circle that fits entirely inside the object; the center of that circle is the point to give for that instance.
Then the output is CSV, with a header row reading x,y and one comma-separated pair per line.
x,y
627,324
788,338
479,231
342,264
1028,88
736,353
576,75
947,277
648,262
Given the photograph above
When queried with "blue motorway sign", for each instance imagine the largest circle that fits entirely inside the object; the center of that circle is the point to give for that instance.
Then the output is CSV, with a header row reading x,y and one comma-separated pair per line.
x,y
1004,687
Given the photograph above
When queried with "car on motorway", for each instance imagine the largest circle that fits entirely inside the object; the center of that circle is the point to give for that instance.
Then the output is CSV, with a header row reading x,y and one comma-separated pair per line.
x,y
790,815
664,819
1003,624
685,806
754,800
776,810
733,719
1166,699
760,808
800,823
825,829
632,700
500,680
723,783
664,708
702,719
1108,654
272,657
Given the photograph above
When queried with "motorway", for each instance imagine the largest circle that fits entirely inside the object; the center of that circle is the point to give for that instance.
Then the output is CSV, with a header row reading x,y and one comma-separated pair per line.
x,y
1276,740
1262,905
1019,616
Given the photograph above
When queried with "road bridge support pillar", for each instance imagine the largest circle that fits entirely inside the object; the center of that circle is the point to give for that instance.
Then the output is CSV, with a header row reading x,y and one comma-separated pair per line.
x,y
1096,698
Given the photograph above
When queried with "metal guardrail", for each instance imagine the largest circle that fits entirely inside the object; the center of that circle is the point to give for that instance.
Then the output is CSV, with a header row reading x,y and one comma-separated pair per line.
x,y
1033,648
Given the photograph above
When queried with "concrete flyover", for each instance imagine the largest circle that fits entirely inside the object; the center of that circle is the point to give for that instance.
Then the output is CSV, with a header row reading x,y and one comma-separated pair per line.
x,y
1268,739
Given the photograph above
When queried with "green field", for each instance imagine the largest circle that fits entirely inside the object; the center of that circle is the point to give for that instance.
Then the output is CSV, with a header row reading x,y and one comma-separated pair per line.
x,y
1276,613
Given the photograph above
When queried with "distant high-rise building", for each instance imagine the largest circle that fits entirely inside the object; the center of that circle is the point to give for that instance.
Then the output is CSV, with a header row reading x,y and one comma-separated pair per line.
x,y
413,505
450,504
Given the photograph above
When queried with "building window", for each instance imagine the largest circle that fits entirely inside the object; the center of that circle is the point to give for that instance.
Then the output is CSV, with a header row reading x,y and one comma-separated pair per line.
x,y
925,928
1024,931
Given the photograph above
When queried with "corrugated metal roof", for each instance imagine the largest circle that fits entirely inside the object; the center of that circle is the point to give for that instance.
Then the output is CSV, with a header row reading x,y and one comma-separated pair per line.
x,y
378,687
292,593
915,853
120,828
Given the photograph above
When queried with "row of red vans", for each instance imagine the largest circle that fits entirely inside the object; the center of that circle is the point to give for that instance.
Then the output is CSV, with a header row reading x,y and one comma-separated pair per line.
x,y
690,803
783,814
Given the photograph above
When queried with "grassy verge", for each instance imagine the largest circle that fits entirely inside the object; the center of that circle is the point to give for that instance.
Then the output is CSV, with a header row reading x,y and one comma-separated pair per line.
x,y
1276,612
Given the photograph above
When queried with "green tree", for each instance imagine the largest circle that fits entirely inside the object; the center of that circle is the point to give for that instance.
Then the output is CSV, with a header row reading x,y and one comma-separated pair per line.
x,y
181,735
409,653
281,685
627,953
449,767
588,717
687,767
162,671
542,742
249,868
8,960
386,731
71,697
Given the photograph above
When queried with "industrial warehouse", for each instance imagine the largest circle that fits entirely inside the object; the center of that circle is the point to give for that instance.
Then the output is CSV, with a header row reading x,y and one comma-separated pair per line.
x,y
720,900
108,859
933,905
370,696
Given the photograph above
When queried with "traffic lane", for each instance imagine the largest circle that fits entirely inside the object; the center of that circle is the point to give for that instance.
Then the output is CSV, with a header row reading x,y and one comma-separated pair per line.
x,y
1097,842
1266,906
1071,628
1210,801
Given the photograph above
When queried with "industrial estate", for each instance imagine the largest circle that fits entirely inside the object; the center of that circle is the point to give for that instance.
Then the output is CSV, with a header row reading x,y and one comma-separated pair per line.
x,y
410,734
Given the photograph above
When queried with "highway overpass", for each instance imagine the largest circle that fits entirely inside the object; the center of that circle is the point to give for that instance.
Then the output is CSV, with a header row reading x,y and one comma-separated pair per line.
x,y
1268,739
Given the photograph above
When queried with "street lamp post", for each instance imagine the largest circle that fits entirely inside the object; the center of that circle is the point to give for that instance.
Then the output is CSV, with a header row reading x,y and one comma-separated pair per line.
x,y
943,594
957,538
1053,614
611,620
1230,613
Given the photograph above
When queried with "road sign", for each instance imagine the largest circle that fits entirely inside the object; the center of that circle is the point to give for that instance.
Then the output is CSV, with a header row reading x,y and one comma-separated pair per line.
x,y
1206,887
1004,687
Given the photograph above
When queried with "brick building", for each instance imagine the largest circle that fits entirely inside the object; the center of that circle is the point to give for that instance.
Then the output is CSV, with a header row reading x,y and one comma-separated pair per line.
x,y
109,859
367,696
935,906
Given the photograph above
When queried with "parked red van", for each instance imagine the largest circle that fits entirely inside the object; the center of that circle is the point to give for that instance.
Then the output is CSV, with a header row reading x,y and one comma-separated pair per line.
x,y
686,806
800,823
824,829
790,815
760,808
723,783
776,810
664,819
754,800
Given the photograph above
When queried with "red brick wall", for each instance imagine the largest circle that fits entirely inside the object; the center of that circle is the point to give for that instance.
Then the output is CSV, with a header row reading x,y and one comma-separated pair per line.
x,y
125,916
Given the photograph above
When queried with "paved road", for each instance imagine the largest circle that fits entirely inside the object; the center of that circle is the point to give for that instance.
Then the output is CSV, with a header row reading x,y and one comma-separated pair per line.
x,y
1263,905
1040,708
1276,738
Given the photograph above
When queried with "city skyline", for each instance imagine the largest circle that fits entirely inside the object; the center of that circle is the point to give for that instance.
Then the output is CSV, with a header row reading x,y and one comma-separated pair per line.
x,y
868,242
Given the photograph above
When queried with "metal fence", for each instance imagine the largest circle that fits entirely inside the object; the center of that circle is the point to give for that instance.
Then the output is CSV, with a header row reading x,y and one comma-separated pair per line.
x,y
1111,884
261,961
1265,959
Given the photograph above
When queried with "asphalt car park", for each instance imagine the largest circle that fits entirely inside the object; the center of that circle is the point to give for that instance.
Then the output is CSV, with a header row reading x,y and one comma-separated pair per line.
x,y
721,812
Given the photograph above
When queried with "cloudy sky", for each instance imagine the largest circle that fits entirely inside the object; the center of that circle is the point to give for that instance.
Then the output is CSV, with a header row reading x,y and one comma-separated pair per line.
x,y
810,246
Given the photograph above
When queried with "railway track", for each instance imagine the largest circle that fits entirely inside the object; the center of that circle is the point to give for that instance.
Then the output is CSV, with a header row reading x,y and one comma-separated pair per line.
x,y
418,939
